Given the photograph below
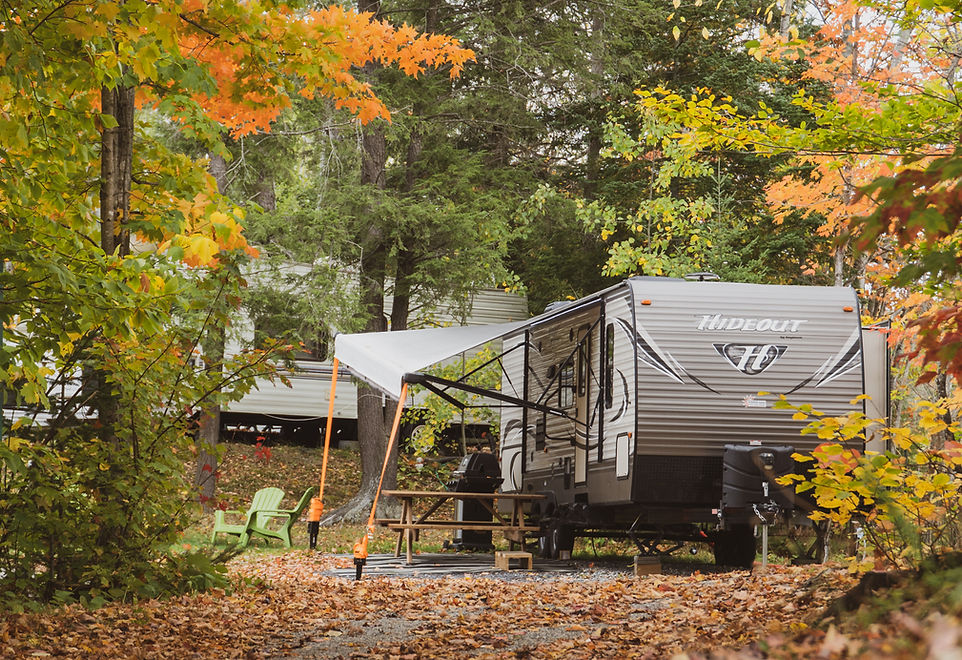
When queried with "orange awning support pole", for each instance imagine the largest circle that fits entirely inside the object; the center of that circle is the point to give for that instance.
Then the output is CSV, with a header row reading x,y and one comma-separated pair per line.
x,y
360,548
330,423
317,503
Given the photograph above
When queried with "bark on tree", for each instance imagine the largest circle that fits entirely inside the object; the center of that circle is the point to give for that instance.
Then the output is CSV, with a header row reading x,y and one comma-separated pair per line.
x,y
849,35
372,430
786,21
942,394
116,159
597,68
208,422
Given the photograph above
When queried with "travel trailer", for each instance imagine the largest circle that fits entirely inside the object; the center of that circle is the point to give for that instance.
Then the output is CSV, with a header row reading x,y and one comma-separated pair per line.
x,y
649,408
667,393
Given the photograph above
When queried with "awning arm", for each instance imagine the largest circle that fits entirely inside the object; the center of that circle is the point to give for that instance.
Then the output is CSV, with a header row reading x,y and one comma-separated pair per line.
x,y
426,379
496,358
444,395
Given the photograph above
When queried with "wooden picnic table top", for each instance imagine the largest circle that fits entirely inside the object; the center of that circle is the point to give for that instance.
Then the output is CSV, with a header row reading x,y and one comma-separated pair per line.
x,y
461,495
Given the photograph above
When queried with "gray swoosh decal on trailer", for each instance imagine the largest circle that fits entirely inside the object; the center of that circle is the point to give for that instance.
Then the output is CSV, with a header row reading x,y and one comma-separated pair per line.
x,y
511,426
648,354
841,363
652,357
624,398
850,360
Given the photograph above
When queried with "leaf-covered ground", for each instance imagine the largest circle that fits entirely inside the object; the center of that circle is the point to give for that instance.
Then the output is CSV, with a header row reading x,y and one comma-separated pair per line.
x,y
287,604
293,609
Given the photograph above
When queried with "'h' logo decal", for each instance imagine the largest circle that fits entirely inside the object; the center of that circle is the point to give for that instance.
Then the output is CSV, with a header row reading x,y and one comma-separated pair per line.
x,y
750,359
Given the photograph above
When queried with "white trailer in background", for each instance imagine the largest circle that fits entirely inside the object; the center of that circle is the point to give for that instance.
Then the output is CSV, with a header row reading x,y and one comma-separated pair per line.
x,y
648,409
300,411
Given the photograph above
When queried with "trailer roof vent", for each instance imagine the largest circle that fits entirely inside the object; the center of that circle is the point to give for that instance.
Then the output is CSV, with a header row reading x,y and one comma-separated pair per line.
x,y
702,277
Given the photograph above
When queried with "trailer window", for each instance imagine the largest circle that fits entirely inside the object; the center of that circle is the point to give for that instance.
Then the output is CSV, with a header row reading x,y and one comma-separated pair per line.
x,y
609,364
566,385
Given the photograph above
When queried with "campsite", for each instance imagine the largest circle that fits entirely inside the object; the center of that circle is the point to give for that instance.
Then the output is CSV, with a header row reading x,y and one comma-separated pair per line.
x,y
596,328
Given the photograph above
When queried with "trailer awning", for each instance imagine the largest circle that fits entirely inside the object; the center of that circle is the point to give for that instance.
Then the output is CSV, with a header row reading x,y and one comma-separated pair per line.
x,y
382,358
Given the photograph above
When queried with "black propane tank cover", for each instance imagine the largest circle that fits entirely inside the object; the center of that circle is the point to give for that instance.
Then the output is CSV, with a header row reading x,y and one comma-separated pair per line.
x,y
746,467
478,473
480,464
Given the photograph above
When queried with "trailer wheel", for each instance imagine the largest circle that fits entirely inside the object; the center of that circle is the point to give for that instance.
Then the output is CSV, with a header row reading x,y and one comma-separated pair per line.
x,y
564,538
546,549
555,539
735,546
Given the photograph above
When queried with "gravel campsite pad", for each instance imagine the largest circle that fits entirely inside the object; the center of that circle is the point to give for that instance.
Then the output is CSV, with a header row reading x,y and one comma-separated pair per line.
x,y
307,605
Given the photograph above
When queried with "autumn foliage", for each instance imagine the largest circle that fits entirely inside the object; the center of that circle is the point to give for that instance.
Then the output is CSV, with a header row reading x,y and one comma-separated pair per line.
x,y
905,500
121,258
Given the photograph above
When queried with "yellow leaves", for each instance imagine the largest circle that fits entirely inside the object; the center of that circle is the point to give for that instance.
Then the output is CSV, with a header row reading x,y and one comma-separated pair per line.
x,y
906,496
206,232
14,443
145,61
676,33
941,481
827,429
199,250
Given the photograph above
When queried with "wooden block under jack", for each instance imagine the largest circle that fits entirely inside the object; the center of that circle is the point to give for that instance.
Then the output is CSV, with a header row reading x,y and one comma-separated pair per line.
x,y
645,565
502,559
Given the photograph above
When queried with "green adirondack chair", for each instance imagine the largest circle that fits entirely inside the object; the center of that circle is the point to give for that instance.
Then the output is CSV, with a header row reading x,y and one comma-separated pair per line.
x,y
259,524
264,499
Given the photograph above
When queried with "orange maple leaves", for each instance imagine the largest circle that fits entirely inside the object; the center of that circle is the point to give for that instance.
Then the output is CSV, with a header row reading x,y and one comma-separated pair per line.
x,y
234,65
312,54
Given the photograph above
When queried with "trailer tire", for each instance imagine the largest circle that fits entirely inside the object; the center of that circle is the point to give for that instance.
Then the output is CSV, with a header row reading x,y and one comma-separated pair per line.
x,y
546,549
735,546
555,539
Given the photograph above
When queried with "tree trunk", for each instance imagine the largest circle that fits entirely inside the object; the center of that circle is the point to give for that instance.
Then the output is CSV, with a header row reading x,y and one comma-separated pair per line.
x,y
848,198
597,68
786,21
372,431
942,395
208,421
265,195
116,159
371,427
206,439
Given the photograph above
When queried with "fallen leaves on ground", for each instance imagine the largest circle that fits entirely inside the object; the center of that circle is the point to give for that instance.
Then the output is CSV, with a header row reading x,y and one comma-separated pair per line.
x,y
290,608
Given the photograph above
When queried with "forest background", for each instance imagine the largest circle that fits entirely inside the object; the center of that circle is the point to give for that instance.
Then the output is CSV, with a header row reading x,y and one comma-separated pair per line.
x,y
162,162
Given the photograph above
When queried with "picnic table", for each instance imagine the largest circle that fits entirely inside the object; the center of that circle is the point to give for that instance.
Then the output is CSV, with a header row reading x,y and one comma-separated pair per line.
x,y
513,525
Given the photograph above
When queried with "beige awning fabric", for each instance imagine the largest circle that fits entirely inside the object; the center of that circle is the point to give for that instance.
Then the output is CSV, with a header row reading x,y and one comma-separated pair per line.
x,y
382,358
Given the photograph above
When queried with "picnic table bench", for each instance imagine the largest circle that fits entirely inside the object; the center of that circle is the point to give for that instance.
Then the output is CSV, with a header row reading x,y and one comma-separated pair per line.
x,y
513,525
